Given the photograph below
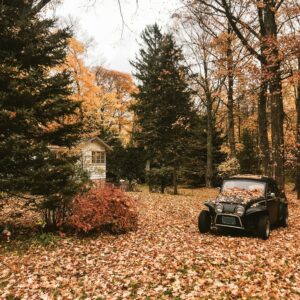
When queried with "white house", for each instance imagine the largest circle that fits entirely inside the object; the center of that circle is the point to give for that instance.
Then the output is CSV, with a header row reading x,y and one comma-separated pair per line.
x,y
92,156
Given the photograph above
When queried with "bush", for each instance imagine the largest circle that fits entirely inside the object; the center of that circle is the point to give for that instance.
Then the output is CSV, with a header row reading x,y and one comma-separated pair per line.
x,y
103,208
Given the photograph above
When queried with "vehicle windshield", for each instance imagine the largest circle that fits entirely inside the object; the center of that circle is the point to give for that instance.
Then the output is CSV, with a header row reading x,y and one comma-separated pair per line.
x,y
253,187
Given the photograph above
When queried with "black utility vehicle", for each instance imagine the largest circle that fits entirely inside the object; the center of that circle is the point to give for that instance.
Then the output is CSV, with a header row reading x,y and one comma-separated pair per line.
x,y
246,202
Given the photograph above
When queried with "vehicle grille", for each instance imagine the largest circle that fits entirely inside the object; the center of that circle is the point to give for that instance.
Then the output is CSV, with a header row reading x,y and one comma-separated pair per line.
x,y
228,221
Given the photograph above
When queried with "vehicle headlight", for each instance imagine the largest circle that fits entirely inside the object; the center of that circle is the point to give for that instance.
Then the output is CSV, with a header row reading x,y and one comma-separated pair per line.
x,y
240,210
219,208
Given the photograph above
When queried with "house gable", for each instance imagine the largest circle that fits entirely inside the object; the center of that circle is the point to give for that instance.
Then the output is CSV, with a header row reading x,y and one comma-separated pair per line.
x,y
94,143
93,154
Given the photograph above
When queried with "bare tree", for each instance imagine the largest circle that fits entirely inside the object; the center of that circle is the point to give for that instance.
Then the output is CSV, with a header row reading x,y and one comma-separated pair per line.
x,y
291,28
218,57
203,65
261,25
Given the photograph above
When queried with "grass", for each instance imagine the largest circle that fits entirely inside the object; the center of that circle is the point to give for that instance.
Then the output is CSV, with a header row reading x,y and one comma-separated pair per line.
x,y
23,243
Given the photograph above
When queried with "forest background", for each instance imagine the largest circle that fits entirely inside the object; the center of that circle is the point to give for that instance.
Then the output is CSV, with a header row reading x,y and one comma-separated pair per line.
x,y
216,95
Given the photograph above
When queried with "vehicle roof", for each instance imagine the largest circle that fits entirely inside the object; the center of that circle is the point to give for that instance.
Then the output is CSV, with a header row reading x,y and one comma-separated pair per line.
x,y
252,177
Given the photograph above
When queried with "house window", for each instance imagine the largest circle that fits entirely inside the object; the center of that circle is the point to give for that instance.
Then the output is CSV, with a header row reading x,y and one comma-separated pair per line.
x,y
98,157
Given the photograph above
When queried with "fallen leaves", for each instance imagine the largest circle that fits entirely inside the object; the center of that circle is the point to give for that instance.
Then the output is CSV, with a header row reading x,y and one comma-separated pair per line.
x,y
166,258
239,195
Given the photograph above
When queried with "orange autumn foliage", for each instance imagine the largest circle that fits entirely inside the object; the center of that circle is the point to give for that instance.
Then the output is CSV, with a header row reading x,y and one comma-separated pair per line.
x,y
105,95
116,100
85,88
103,208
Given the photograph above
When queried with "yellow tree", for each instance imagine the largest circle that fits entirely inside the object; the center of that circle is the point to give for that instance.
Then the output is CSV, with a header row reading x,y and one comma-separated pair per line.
x,y
115,101
85,88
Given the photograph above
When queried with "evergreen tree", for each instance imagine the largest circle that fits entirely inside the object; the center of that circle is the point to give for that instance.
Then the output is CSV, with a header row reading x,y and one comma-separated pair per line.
x,y
248,156
196,162
124,162
163,107
35,111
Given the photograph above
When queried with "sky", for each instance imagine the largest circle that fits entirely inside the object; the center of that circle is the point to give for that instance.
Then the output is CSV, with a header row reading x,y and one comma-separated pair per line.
x,y
99,23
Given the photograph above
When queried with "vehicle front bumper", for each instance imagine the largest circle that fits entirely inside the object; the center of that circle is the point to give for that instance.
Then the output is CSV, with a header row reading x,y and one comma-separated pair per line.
x,y
229,220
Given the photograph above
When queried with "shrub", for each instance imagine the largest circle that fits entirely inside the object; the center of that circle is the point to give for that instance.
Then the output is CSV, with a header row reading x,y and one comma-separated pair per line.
x,y
103,208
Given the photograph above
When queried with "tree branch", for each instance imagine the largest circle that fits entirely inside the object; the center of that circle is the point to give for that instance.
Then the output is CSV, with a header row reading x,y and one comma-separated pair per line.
x,y
239,33
39,6
279,4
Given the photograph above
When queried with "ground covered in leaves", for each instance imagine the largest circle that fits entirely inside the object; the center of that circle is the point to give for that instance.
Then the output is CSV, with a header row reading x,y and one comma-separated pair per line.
x,y
166,258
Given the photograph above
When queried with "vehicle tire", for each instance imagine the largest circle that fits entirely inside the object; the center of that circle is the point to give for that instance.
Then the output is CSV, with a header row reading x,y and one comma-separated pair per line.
x,y
204,221
263,227
285,217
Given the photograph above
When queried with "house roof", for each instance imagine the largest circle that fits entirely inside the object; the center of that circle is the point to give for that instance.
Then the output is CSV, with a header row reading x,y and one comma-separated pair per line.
x,y
78,146
58,148
101,142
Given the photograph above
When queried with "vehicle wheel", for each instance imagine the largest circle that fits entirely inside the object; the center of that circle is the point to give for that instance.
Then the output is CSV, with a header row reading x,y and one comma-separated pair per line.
x,y
263,227
204,221
285,217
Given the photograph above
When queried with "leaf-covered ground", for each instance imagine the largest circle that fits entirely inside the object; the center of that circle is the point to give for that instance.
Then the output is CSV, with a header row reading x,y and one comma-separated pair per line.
x,y
166,258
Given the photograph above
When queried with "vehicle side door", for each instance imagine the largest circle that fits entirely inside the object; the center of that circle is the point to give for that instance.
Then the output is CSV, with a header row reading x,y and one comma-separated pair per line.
x,y
272,201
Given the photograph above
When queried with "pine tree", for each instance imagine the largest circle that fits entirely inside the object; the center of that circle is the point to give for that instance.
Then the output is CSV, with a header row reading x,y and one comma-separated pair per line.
x,y
163,108
195,164
248,155
35,110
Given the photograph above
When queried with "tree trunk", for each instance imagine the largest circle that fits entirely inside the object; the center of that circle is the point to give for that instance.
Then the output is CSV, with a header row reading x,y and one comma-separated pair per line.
x,y
175,183
273,63
298,135
230,104
130,186
162,188
50,220
239,124
147,170
209,140
277,117
263,129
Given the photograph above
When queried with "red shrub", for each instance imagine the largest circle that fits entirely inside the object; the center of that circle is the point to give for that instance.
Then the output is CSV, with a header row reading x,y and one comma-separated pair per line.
x,y
105,207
